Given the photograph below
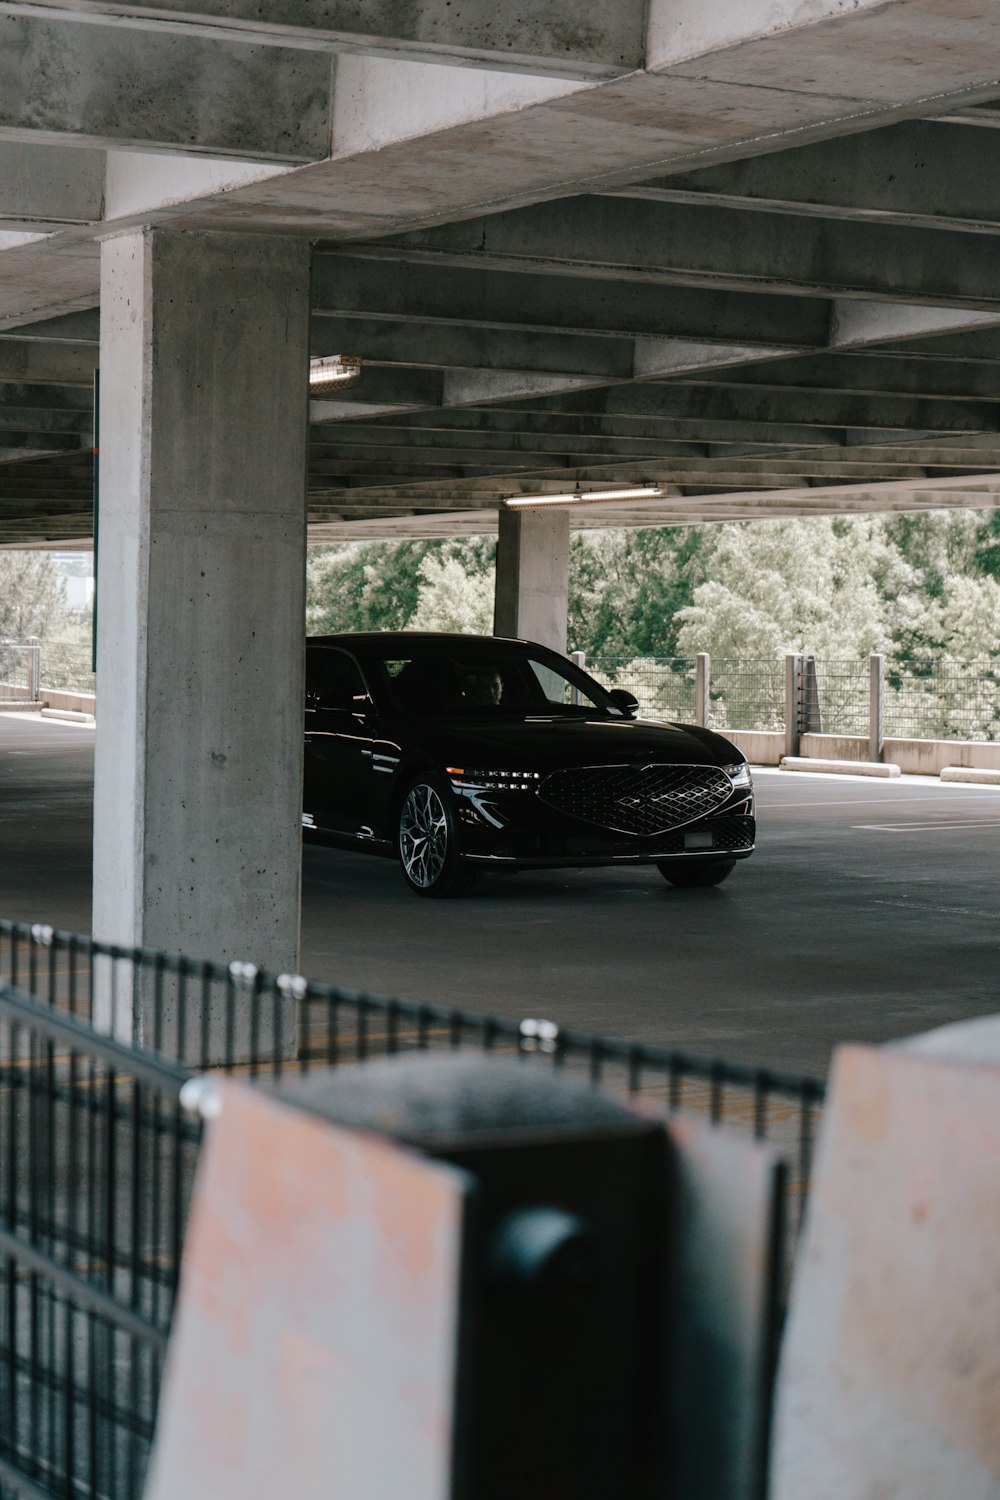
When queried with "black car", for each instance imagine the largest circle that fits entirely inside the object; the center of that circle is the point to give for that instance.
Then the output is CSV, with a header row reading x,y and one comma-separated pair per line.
x,y
459,754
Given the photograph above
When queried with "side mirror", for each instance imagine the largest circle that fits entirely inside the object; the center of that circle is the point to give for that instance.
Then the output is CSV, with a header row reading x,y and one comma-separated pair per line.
x,y
626,701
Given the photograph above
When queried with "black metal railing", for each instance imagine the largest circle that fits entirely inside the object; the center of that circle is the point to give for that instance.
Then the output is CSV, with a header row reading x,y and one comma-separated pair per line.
x,y
97,1159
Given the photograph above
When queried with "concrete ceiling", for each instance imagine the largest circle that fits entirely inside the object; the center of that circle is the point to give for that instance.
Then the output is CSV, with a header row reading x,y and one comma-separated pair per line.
x,y
744,249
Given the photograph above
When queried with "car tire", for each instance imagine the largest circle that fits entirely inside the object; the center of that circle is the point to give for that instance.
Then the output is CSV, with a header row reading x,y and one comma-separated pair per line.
x,y
427,841
695,872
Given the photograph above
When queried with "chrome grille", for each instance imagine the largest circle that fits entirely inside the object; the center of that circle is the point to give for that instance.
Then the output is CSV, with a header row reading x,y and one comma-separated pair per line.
x,y
642,800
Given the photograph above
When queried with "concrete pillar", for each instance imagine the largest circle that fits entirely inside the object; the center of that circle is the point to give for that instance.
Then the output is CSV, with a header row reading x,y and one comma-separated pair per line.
x,y
532,577
702,688
793,702
876,705
201,560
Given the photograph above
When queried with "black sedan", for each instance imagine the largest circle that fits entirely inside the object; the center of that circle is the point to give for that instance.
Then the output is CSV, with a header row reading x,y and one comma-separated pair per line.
x,y
459,754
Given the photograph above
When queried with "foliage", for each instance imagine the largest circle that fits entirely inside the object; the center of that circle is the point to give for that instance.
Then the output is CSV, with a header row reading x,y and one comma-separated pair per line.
x,y
32,595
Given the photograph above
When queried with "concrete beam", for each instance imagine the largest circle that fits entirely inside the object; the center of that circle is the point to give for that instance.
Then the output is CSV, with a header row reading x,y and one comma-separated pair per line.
x,y
72,328
47,363
744,404
47,187
99,86
725,248
547,37
380,341
346,285
921,173
876,374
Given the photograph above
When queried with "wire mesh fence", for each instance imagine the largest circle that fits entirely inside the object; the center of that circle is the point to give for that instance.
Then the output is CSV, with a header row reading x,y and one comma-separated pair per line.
x,y
67,665
663,685
842,697
19,669
747,693
97,1159
943,700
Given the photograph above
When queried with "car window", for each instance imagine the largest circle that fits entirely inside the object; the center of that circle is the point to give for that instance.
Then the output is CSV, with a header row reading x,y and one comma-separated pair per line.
x,y
559,689
477,681
333,680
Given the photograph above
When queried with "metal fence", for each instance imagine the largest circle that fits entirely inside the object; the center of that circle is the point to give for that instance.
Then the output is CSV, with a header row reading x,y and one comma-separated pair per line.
x,y
664,686
943,700
842,697
19,672
68,666
923,699
97,1160
747,693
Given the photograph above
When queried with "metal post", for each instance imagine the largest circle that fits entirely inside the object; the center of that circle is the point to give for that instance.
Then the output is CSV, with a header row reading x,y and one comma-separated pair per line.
x,y
702,680
793,702
876,706
579,659
34,668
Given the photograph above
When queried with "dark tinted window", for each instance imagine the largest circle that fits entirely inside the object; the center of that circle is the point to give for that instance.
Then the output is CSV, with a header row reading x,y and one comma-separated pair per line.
x,y
333,680
451,678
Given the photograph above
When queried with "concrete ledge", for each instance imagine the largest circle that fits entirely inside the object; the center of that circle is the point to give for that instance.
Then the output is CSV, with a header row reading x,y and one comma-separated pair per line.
x,y
83,703
74,716
839,767
971,773
762,747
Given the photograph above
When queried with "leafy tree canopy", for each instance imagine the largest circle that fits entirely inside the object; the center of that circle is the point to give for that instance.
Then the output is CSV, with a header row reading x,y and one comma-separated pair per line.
x,y
32,596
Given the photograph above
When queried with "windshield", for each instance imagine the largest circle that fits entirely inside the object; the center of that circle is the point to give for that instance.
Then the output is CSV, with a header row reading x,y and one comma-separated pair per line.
x,y
488,682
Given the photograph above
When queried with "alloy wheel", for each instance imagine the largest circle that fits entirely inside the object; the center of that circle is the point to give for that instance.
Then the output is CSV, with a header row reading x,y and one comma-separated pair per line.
x,y
423,836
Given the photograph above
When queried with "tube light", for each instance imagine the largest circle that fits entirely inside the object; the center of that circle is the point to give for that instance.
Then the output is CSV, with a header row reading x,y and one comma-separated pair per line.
x,y
587,497
333,371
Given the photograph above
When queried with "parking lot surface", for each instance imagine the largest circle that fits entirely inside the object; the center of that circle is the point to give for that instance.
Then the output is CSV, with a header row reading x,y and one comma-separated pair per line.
x,y
867,913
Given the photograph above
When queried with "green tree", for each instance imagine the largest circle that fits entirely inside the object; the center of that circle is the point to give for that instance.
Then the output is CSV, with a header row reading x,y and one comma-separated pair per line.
x,y
776,586
32,596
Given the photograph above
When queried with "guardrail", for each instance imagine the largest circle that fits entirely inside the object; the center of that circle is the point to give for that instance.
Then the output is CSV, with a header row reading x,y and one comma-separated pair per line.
x,y
97,1159
871,699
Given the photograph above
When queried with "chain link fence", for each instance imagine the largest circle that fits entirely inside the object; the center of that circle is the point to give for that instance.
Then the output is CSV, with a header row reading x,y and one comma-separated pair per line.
x,y
664,685
19,669
67,666
925,699
943,700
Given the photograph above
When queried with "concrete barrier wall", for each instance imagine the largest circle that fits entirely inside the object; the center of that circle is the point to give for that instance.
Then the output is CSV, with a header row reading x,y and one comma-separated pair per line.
x,y
761,747
79,702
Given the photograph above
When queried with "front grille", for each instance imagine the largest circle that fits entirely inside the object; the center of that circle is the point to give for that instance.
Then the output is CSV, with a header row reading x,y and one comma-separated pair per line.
x,y
643,800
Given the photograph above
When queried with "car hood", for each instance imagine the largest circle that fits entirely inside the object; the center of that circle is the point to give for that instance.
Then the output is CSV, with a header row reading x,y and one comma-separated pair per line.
x,y
539,743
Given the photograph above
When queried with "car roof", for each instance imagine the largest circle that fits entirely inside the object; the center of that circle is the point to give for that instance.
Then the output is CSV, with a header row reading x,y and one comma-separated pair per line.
x,y
411,637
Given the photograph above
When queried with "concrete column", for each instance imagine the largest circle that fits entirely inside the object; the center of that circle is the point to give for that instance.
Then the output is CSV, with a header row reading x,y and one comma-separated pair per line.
x,y
876,705
793,702
532,577
702,688
201,560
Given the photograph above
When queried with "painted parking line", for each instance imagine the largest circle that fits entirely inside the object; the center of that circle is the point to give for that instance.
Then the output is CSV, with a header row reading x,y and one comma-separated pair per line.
x,y
936,827
950,911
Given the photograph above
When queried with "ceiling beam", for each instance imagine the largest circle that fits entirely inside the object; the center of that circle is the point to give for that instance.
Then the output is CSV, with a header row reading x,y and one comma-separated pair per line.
x,y
549,37
921,173
347,285
99,86
729,249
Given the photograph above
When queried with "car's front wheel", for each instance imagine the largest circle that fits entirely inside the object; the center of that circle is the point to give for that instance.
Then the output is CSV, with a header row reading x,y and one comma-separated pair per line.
x,y
692,872
427,842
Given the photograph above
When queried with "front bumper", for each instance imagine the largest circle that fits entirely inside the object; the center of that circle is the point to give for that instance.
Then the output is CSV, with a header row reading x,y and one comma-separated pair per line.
x,y
536,837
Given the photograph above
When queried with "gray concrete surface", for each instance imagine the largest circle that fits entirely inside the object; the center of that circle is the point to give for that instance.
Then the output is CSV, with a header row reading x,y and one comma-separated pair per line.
x,y
199,751
868,912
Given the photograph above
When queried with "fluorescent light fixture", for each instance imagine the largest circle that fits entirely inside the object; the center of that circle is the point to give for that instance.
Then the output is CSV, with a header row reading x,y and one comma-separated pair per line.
x,y
587,497
332,372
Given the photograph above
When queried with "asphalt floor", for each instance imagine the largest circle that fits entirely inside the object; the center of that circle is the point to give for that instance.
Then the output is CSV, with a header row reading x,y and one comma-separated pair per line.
x,y
868,913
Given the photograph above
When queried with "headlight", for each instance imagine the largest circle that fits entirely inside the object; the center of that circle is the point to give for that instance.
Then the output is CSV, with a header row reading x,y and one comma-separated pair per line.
x,y
465,780
739,775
